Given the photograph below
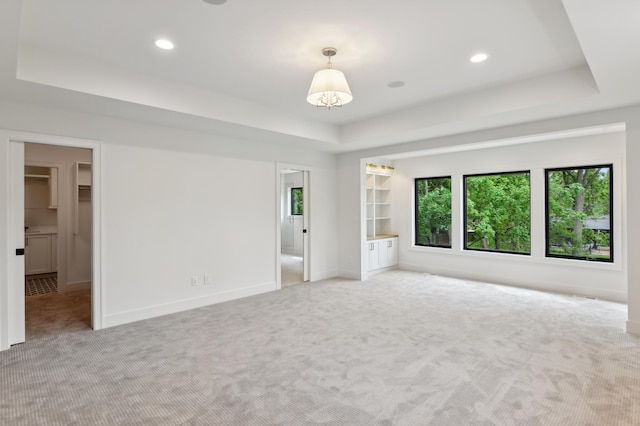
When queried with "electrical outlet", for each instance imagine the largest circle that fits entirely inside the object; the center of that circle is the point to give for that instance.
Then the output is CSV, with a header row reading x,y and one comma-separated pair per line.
x,y
207,279
194,281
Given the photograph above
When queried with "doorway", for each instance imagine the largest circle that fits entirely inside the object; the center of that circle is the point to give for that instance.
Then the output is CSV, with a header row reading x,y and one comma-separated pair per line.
x,y
57,223
12,284
293,226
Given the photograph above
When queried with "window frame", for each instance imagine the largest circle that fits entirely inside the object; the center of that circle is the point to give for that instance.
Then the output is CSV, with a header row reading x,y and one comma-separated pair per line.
x,y
465,231
292,210
547,253
417,207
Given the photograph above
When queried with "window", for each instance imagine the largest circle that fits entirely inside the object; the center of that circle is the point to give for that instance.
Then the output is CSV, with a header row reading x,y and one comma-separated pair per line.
x,y
497,212
433,212
578,209
296,201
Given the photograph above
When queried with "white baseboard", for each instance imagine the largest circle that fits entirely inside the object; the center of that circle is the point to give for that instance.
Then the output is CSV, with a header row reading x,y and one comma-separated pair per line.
x,y
350,275
120,318
633,327
548,286
381,270
323,275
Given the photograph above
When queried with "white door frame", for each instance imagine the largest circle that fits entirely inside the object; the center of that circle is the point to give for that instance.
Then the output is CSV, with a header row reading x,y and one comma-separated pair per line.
x,y
14,303
12,282
306,258
306,217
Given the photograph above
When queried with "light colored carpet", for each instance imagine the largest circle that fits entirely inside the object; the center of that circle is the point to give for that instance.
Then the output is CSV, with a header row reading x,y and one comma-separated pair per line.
x,y
400,349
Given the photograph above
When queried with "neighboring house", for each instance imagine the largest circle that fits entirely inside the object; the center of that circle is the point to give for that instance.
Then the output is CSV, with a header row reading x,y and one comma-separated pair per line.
x,y
600,224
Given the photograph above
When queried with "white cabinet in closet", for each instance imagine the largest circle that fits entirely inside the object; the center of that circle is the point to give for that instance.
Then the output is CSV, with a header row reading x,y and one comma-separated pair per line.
x,y
41,254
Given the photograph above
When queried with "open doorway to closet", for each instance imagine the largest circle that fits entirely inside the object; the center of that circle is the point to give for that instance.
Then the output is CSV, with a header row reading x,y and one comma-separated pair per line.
x,y
294,235
58,239
12,285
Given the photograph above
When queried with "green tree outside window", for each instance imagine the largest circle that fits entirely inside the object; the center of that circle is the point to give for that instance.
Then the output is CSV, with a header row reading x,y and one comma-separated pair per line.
x,y
579,207
296,201
497,212
433,212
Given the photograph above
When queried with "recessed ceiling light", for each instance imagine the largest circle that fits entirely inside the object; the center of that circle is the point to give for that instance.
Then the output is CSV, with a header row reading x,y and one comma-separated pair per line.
x,y
479,57
215,1
395,84
164,44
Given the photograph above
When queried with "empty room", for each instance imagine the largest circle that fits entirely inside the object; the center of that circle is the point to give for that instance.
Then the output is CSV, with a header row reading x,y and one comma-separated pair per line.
x,y
225,212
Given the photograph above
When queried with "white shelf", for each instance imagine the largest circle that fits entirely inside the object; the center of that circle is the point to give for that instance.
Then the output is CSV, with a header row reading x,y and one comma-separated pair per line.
x,y
37,175
83,171
378,201
82,177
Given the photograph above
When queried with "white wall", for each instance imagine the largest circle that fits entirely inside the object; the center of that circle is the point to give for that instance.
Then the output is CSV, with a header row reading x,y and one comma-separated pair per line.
x,y
632,212
602,280
323,223
352,261
170,216
179,203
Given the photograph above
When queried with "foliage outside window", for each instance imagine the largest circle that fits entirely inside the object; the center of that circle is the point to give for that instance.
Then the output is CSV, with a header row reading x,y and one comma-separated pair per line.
x,y
433,212
579,207
296,201
497,212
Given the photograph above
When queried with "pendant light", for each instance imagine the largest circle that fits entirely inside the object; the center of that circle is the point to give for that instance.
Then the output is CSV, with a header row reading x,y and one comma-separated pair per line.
x,y
329,86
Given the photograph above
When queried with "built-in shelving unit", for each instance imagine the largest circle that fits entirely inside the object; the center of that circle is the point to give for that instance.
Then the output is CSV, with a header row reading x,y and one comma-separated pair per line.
x,y
50,174
53,188
378,200
82,188
382,242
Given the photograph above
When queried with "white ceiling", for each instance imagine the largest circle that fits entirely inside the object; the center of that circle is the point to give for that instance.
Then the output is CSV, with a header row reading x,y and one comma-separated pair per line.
x,y
243,68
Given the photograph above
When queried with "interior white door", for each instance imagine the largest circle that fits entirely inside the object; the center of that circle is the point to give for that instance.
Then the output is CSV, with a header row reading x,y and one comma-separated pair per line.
x,y
16,332
305,227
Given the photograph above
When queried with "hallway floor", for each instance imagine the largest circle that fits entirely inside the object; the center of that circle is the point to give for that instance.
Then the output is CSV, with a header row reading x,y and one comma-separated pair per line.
x,y
53,314
292,269
40,284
